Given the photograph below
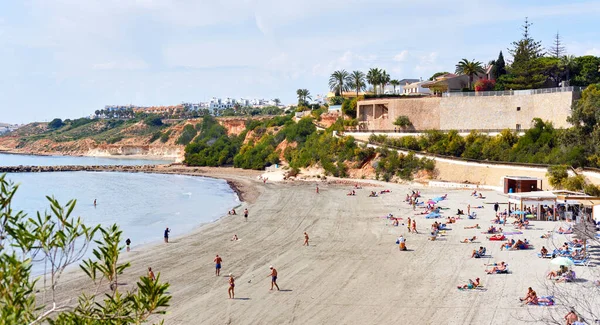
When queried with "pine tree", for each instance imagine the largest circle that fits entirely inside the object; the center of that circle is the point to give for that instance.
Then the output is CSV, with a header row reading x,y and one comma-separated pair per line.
x,y
557,50
526,69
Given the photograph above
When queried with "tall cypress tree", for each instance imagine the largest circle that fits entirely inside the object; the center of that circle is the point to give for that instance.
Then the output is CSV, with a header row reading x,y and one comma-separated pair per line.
x,y
499,67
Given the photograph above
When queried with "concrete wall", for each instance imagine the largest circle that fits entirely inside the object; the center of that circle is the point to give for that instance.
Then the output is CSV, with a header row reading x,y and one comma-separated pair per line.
x,y
424,113
469,113
499,112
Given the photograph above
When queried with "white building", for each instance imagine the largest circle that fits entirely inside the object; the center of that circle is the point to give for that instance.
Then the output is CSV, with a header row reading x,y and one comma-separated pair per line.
x,y
415,88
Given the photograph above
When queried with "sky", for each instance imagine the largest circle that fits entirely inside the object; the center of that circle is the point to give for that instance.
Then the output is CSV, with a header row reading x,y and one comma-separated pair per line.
x,y
68,58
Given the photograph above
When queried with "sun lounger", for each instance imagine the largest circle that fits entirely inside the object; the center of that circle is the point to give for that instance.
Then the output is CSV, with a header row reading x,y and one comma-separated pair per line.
x,y
583,262
547,255
433,215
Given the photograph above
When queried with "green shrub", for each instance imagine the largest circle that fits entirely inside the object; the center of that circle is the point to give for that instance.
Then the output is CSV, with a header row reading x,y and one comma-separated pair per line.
x,y
402,121
153,120
155,136
55,124
115,139
164,137
188,134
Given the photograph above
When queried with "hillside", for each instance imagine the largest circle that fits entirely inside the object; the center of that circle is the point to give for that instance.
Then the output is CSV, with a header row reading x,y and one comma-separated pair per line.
x,y
84,137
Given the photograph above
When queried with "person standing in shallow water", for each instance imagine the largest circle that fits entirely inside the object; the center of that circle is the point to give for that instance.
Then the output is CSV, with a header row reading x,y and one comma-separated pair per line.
x,y
94,202
128,243
167,231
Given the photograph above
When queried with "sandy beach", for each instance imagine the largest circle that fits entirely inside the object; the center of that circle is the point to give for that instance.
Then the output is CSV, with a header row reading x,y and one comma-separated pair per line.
x,y
352,272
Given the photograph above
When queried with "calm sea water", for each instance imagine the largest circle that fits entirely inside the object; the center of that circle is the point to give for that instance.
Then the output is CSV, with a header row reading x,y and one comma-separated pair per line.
x,y
30,160
143,205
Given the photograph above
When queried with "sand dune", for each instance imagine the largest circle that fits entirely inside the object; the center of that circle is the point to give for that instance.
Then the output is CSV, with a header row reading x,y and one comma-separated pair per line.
x,y
352,273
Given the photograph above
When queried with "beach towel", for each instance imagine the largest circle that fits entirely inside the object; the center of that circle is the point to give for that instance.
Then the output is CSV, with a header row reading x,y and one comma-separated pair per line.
x,y
509,233
438,199
433,215
497,239
545,301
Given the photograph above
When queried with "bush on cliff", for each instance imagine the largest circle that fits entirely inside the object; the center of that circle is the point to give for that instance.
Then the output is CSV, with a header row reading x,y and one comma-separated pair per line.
x,y
55,124
188,134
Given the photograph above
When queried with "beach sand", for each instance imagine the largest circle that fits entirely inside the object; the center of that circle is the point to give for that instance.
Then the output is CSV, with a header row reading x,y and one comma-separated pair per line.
x,y
352,272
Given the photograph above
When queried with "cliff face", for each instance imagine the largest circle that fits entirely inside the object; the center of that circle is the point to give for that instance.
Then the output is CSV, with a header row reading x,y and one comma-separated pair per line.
x,y
102,141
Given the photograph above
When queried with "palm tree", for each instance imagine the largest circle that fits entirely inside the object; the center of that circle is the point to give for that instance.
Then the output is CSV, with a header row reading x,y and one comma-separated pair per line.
x,y
568,63
340,81
303,94
277,102
470,68
357,81
384,79
395,83
373,77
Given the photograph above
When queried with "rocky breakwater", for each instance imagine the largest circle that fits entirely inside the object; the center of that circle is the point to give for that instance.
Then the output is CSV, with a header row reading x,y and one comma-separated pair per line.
x,y
76,168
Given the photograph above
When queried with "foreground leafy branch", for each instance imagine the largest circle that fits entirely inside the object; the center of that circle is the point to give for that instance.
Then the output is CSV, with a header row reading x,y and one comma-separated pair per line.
x,y
57,240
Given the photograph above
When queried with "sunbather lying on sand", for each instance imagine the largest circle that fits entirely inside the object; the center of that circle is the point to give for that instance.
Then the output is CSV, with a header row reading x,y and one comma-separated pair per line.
x,y
478,253
497,269
467,240
471,285
562,230
476,226
481,196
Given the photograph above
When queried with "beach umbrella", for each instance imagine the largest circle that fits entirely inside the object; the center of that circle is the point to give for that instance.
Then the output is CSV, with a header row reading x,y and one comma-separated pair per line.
x,y
518,212
562,261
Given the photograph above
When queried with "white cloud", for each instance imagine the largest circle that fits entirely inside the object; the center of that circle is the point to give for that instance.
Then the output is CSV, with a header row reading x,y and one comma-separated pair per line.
x,y
401,57
593,51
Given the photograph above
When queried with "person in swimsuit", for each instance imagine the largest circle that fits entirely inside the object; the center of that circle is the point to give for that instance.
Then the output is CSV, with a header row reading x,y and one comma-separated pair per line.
x,y
408,224
471,285
167,231
151,274
414,226
317,189
128,242
273,276
230,291
218,261
305,239
94,202
246,214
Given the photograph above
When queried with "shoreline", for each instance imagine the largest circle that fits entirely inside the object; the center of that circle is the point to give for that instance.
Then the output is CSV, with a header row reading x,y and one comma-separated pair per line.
x,y
108,156
348,233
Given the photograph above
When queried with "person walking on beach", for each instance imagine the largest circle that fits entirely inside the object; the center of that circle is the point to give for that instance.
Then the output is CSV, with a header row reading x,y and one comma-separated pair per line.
x,y
218,261
305,239
317,189
94,203
167,231
414,226
469,210
273,276
246,214
151,274
408,224
496,207
128,242
231,291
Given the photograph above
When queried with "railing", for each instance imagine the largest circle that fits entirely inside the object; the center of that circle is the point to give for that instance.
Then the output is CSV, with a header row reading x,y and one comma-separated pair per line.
x,y
444,131
513,92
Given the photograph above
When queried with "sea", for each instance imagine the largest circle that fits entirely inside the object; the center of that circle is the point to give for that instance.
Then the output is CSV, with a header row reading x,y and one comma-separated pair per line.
x,y
142,204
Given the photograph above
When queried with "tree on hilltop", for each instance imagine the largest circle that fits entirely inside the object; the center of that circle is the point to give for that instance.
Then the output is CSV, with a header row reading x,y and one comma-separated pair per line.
x,y
340,81
357,81
557,50
526,69
303,95
373,77
469,68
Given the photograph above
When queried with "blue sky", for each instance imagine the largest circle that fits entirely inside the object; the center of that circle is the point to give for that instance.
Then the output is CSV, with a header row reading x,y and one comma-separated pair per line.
x,y
67,58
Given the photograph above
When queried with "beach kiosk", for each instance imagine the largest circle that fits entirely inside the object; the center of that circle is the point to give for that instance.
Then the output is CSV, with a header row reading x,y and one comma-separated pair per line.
x,y
519,201
521,184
